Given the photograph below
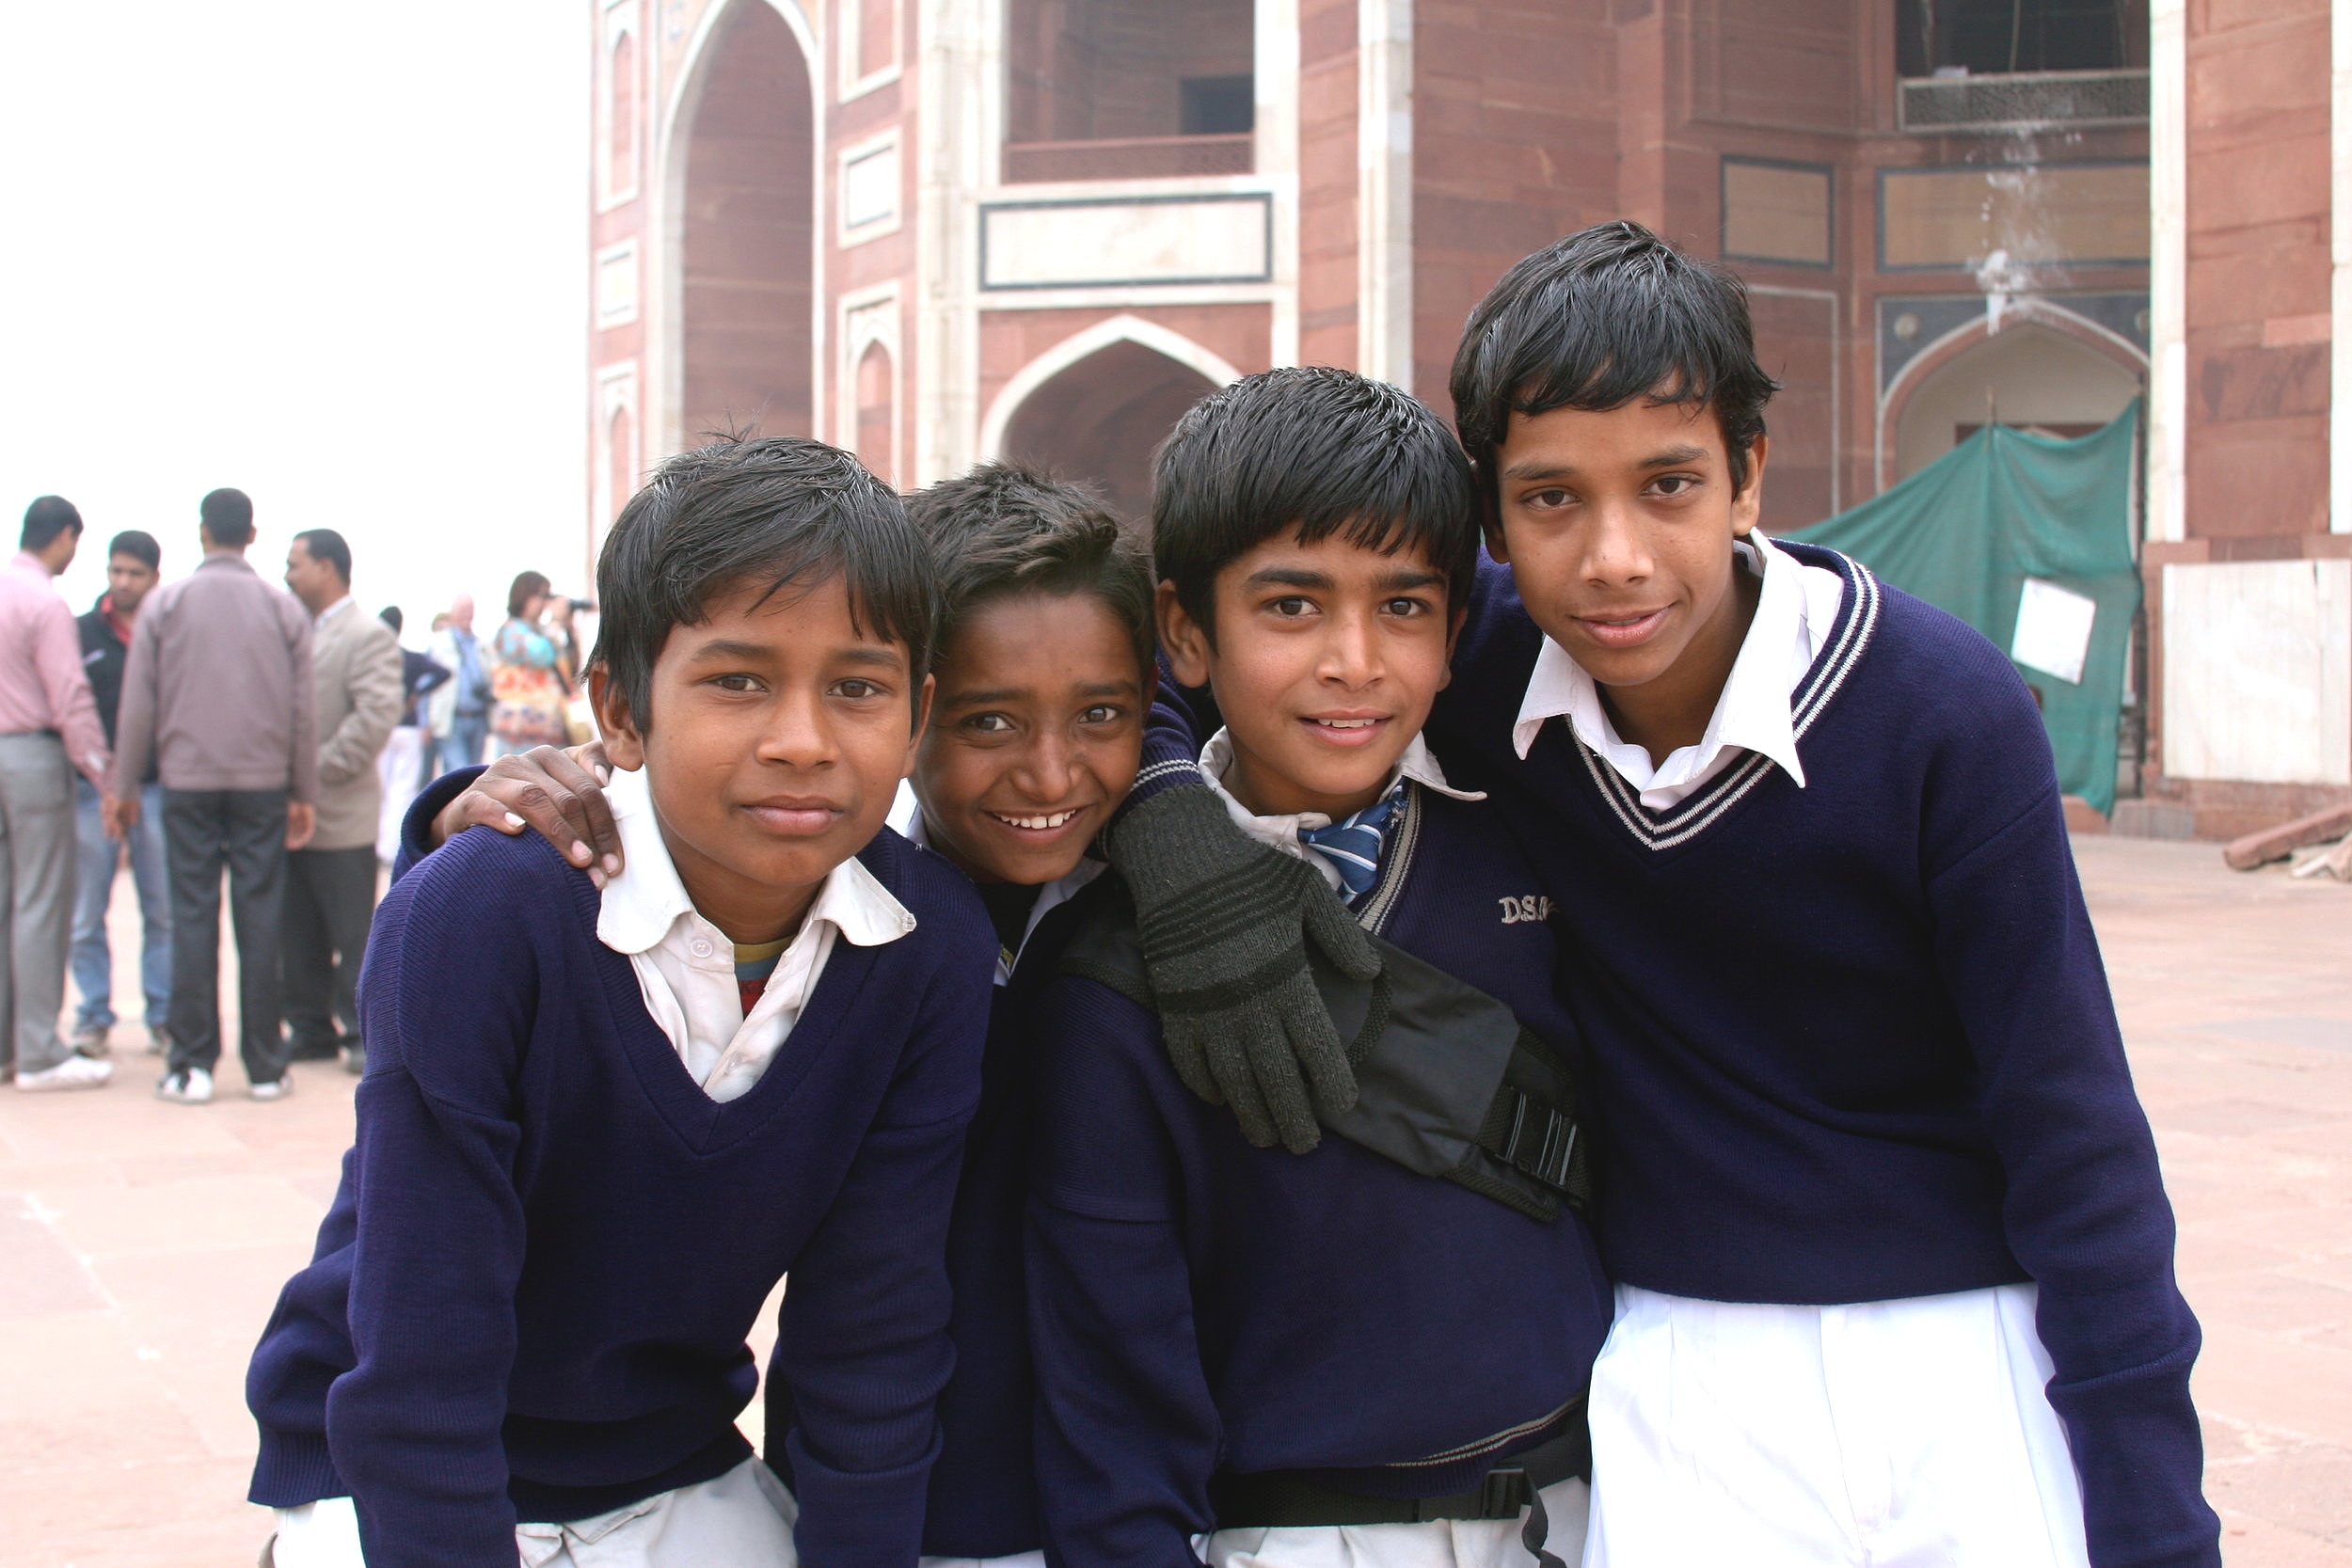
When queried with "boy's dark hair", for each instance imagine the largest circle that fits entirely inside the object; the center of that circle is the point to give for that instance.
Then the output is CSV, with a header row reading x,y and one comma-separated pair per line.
x,y
1003,529
47,517
391,617
1320,449
140,545
326,544
228,516
780,511
526,587
1599,319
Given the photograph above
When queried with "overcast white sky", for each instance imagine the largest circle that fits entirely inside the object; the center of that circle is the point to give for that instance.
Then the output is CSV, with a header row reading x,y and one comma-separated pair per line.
x,y
332,255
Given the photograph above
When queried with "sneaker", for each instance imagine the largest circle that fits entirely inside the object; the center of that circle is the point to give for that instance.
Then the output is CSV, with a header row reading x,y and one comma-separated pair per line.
x,y
191,1086
158,1041
90,1040
276,1088
355,1059
75,1072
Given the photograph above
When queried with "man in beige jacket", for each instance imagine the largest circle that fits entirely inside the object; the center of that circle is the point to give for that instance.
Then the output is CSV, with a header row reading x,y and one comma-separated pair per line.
x,y
217,699
330,882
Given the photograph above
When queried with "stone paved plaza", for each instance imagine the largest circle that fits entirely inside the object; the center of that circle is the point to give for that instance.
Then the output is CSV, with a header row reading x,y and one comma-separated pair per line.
x,y
142,1244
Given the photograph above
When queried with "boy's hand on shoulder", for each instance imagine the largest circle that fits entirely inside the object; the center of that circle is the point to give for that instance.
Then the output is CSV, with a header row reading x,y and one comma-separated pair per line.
x,y
1225,923
560,793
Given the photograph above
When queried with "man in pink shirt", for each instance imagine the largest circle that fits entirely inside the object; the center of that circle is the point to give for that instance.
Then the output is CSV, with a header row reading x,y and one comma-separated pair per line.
x,y
48,728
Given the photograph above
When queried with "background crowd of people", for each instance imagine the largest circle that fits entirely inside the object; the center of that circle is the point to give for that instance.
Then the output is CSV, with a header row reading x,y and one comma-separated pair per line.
x,y
216,725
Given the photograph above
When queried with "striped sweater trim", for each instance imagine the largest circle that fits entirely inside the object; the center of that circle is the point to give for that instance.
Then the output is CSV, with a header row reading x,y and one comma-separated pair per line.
x,y
1686,819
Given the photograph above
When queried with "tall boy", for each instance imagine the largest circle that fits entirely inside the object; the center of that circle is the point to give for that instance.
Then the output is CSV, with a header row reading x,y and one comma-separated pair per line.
x,y
1325,1356
583,1161
1894,1261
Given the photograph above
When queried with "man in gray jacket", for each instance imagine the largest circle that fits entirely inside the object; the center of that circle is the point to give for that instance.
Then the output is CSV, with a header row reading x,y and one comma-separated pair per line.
x,y
217,697
330,882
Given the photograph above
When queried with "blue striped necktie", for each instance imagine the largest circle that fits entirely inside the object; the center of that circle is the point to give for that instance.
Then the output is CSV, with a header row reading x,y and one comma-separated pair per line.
x,y
1353,846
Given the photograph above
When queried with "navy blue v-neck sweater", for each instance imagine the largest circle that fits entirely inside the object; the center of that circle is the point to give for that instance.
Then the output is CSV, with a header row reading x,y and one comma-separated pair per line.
x,y
1199,1306
532,1296
982,1499
984,1488
1853,1041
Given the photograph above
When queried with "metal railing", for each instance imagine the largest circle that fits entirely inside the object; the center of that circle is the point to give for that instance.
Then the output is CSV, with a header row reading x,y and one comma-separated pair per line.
x,y
2023,101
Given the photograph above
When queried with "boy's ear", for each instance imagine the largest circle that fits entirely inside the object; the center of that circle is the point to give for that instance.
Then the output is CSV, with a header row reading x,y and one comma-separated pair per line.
x,y
1457,618
1490,519
1748,505
623,746
922,721
1182,638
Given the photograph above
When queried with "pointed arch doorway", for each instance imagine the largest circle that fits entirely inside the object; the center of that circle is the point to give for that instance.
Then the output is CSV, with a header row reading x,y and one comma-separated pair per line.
x,y
746,231
1099,418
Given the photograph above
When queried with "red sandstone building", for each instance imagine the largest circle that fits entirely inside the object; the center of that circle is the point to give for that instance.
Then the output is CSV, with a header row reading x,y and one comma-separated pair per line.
x,y
943,231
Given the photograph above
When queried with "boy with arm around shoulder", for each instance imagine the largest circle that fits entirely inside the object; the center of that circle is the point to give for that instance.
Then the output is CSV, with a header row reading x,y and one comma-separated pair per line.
x,y
582,1163
1324,1353
1043,669
1894,1258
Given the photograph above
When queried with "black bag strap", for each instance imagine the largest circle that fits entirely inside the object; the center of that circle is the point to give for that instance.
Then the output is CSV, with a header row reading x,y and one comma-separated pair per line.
x,y
1450,1084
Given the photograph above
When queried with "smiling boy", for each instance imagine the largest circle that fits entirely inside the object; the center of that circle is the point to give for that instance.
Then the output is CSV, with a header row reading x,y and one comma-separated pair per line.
x,y
1280,1350
598,1125
1041,673
1894,1259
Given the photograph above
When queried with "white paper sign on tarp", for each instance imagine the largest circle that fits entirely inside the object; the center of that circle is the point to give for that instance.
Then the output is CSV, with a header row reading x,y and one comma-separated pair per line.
x,y
2053,629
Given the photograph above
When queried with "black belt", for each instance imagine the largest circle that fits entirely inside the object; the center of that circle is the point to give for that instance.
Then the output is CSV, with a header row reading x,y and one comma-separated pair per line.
x,y
1275,1500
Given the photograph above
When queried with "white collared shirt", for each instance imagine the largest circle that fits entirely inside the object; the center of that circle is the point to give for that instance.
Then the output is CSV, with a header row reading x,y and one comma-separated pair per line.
x,y
906,815
1793,617
1282,832
320,619
685,966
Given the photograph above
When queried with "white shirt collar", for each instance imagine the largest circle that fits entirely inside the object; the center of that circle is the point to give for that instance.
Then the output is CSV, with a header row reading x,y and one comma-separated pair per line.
x,y
906,815
646,900
321,618
1793,614
1282,832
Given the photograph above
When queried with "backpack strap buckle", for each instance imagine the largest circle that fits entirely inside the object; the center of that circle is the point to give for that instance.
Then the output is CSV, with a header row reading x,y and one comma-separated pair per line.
x,y
1541,1142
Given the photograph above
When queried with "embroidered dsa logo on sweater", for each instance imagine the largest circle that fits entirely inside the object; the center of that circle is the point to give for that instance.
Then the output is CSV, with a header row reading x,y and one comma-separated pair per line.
x,y
1536,906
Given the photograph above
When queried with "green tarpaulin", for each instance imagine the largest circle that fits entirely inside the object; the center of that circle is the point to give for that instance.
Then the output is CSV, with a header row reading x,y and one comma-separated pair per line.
x,y
2009,520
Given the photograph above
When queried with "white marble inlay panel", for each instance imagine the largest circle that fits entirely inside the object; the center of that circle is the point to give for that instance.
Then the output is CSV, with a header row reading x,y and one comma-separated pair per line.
x,y
2258,670
1082,243
869,188
616,285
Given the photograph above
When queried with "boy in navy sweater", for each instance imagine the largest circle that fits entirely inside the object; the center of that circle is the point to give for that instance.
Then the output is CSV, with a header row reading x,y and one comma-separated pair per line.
x,y
1045,675
1893,1258
1321,1356
1043,669
591,1138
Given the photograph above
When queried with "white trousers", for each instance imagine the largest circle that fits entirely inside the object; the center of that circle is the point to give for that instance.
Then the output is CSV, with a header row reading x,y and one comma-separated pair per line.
x,y
1439,1543
1893,1434
742,1519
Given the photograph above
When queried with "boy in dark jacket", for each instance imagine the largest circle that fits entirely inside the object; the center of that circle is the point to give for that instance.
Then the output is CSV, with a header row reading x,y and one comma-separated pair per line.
x,y
1322,1357
1043,672
1893,1256
134,567
598,1125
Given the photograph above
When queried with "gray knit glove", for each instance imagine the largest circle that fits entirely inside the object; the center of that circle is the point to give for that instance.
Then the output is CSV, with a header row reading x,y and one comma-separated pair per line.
x,y
1224,923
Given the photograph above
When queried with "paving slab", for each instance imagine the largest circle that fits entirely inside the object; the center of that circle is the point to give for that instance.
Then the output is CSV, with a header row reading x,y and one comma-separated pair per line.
x,y
141,1245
